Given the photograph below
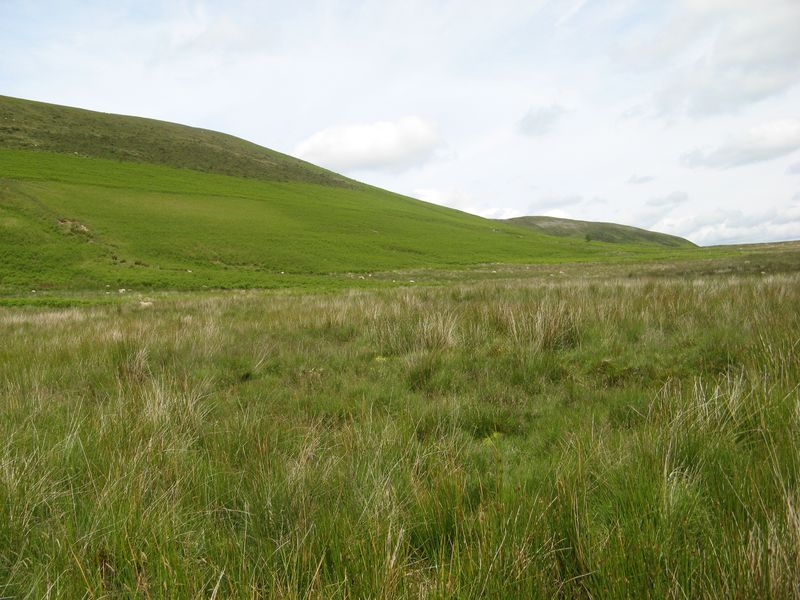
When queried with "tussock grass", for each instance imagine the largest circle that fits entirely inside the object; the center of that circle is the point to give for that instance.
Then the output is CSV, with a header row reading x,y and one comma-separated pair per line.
x,y
595,438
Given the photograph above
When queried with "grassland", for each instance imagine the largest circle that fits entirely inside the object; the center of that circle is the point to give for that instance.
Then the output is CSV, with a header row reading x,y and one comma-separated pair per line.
x,y
580,435
91,201
70,222
416,403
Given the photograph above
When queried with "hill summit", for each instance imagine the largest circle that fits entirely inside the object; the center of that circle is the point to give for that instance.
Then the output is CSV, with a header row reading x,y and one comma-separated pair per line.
x,y
28,125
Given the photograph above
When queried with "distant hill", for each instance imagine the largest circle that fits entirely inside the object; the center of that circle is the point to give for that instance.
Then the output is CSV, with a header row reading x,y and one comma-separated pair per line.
x,y
599,232
96,201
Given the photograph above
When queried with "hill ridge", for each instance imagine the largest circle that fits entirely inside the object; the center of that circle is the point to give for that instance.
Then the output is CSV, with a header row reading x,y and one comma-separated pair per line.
x,y
33,125
598,231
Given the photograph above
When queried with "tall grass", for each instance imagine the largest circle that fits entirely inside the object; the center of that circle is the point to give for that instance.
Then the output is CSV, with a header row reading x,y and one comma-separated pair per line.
x,y
620,438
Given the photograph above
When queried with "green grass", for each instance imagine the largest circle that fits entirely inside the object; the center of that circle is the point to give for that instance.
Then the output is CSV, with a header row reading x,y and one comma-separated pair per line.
x,y
94,201
534,416
585,436
71,222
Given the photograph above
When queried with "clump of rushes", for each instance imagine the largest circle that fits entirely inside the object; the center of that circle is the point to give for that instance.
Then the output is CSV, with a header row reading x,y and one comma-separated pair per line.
x,y
594,438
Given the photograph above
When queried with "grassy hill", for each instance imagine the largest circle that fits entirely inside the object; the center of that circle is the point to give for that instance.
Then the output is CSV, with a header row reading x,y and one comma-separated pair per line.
x,y
89,200
29,125
601,232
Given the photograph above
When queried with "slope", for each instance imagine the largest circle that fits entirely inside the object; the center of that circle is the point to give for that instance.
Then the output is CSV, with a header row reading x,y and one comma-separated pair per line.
x,y
25,124
597,231
73,219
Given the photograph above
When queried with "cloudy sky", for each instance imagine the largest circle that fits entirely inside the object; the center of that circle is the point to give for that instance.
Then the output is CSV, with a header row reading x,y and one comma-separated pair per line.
x,y
680,116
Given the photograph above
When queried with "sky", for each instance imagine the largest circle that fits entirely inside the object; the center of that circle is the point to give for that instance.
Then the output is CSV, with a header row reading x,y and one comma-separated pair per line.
x,y
681,116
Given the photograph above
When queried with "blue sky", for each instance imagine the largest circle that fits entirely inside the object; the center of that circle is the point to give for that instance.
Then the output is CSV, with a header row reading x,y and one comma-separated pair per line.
x,y
682,116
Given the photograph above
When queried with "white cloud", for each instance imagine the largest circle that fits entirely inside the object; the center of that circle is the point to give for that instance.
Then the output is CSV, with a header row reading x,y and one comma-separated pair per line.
x,y
384,145
670,200
726,226
656,209
574,9
547,204
793,169
732,53
640,179
465,201
760,143
541,120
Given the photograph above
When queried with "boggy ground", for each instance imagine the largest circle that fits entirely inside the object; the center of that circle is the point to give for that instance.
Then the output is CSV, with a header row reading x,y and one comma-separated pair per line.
x,y
572,437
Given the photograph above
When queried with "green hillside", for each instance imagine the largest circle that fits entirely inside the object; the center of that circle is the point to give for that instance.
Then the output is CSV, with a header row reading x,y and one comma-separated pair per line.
x,y
29,125
89,200
601,232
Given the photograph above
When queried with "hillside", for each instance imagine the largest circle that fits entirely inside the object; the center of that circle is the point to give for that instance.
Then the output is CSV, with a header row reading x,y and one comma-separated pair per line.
x,y
90,200
600,232
29,125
